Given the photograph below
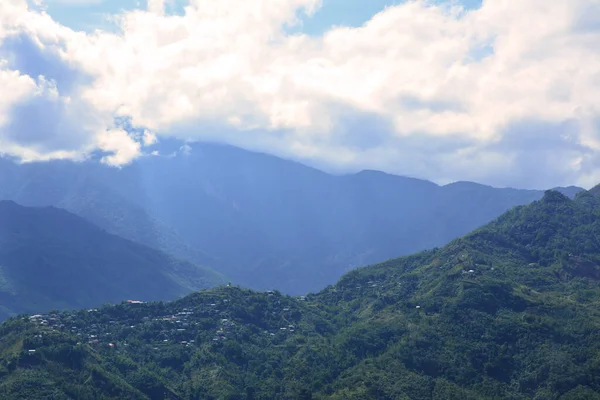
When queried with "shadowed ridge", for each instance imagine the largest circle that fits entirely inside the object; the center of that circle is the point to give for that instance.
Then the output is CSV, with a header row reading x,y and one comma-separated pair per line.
x,y
50,258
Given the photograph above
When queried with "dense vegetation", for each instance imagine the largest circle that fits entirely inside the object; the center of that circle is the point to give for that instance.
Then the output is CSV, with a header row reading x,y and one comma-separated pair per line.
x,y
266,223
510,311
50,258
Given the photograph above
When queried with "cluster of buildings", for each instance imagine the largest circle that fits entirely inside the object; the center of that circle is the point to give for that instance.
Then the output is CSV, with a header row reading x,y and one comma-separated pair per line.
x,y
187,326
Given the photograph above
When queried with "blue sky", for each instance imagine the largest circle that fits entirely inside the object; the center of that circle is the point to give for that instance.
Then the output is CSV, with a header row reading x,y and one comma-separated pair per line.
x,y
90,15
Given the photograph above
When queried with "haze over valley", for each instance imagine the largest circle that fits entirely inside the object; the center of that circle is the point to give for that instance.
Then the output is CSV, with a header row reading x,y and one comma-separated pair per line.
x,y
264,222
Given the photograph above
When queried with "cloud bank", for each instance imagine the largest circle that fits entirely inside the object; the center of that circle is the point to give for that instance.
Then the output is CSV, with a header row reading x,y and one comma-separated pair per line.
x,y
506,94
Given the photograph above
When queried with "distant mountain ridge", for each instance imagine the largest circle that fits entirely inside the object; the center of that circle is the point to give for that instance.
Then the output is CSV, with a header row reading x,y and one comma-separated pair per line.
x,y
50,258
264,221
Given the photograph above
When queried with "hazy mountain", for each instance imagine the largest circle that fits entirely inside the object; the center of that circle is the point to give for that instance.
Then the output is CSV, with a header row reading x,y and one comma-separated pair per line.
x,y
509,311
50,258
263,221
85,189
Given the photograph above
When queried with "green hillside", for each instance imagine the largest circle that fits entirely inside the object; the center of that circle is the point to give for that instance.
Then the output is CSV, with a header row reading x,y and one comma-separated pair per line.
x,y
50,258
510,311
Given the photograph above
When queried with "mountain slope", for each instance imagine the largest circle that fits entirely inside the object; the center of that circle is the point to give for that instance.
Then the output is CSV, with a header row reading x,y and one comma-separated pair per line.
x,y
265,222
509,311
50,258
85,190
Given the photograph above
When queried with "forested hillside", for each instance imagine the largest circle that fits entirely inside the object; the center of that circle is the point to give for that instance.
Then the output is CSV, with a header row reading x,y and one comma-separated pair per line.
x,y
510,311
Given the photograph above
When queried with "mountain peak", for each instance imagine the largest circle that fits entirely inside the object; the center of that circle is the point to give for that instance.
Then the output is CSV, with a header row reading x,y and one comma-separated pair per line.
x,y
554,196
595,190
8,203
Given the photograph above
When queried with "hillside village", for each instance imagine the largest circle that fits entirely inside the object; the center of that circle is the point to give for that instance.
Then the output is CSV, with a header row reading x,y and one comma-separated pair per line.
x,y
211,319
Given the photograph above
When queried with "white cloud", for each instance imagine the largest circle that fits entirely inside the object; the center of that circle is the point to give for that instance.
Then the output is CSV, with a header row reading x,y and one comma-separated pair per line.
x,y
70,2
414,91
15,87
120,144
149,138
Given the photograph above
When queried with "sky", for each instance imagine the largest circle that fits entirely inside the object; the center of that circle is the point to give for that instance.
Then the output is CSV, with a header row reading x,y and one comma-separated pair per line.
x,y
502,92
88,15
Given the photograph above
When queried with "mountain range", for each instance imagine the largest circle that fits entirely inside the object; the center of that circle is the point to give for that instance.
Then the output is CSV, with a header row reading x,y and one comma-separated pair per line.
x,y
264,222
509,311
52,259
